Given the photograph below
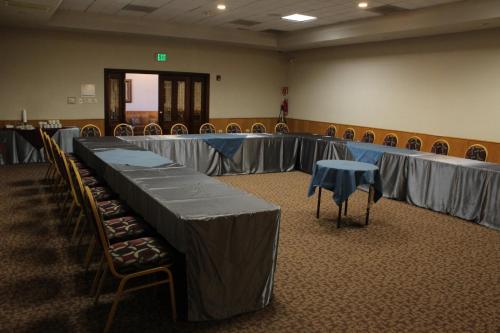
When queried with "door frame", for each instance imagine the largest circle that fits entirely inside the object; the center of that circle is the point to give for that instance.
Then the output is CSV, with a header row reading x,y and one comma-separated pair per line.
x,y
108,71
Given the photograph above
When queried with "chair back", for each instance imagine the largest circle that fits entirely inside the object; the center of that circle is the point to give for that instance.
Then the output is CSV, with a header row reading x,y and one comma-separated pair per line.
x,y
233,128
153,129
96,217
69,178
368,136
281,128
390,140
123,130
178,129
440,147
207,128
477,152
258,128
331,131
90,130
46,153
414,143
77,183
349,134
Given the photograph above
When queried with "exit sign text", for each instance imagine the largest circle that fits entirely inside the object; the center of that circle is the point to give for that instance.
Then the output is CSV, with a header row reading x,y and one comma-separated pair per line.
x,y
161,57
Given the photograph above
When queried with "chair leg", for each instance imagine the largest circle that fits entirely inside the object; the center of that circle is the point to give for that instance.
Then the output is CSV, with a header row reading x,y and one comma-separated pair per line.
x,y
97,276
112,312
99,286
172,296
88,255
77,225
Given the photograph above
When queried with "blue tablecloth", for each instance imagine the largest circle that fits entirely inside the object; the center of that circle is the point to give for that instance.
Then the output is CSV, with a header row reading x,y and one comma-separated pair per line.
x,y
226,144
138,158
371,153
343,177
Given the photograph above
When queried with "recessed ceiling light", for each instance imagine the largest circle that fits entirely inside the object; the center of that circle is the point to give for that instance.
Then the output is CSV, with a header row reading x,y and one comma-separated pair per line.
x,y
221,6
363,4
299,18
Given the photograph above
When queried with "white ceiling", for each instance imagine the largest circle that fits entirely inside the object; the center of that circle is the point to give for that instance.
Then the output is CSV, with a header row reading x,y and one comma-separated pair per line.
x,y
267,12
339,21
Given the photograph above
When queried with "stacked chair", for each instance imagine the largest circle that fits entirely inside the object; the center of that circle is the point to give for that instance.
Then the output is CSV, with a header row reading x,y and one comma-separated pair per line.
x,y
130,249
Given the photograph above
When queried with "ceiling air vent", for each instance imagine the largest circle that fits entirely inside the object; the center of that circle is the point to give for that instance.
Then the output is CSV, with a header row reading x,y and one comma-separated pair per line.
x,y
273,31
26,5
387,10
245,23
138,8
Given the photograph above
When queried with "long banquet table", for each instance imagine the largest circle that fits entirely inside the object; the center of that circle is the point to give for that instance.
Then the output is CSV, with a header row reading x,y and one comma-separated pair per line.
x,y
225,154
229,238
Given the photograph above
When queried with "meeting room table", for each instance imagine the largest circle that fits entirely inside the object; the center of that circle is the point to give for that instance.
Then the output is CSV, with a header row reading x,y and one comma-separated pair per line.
x,y
26,145
343,177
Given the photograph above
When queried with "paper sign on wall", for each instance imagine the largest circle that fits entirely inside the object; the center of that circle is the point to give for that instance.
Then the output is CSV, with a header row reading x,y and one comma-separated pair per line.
x,y
88,90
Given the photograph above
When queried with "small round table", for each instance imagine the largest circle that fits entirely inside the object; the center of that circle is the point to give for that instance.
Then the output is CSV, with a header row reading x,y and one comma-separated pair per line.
x,y
342,177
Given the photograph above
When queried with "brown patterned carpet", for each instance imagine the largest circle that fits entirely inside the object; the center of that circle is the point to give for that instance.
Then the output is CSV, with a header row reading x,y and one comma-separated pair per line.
x,y
410,270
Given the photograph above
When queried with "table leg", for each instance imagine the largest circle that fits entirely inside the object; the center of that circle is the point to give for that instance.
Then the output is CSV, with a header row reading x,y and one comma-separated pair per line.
x,y
370,197
340,215
319,203
345,208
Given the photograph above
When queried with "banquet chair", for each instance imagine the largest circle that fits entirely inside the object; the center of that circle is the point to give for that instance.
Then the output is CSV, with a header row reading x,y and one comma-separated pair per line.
x,y
349,134
331,131
153,129
440,147
281,128
47,155
117,228
123,130
90,130
258,128
129,260
414,143
390,140
178,129
207,128
477,152
233,128
368,136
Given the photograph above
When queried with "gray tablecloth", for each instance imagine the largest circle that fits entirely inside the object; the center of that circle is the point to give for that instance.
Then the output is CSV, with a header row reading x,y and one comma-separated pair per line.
x,y
258,153
464,188
19,150
229,237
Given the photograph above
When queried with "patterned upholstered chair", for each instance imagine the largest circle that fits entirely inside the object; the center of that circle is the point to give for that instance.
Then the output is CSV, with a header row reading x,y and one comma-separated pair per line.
x,y
440,147
153,129
127,260
368,136
477,152
331,130
390,140
349,134
207,128
258,128
281,128
178,129
233,128
123,130
414,143
90,130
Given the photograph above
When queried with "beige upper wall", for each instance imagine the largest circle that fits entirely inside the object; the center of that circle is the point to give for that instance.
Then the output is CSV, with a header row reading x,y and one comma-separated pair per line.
x,y
40,69
447,85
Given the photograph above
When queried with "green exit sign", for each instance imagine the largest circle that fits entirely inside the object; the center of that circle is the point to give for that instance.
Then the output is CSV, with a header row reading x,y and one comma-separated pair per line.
x,y
161,57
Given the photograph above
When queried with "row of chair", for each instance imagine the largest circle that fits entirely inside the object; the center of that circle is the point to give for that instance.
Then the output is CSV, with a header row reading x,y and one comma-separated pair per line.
x,y
130,249
440,146
178,129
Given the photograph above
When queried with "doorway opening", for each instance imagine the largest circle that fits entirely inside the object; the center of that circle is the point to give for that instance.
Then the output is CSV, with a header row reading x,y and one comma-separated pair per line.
x,y
141,100
139,97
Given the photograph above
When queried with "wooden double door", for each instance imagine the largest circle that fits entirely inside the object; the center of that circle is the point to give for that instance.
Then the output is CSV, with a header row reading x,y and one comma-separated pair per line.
x,y
182,98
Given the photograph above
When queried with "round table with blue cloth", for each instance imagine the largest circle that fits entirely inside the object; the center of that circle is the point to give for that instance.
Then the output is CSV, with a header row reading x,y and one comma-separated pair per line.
x,y
342,178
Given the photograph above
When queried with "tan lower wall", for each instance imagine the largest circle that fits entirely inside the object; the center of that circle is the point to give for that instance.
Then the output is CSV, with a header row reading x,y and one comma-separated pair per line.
x,y
458,146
